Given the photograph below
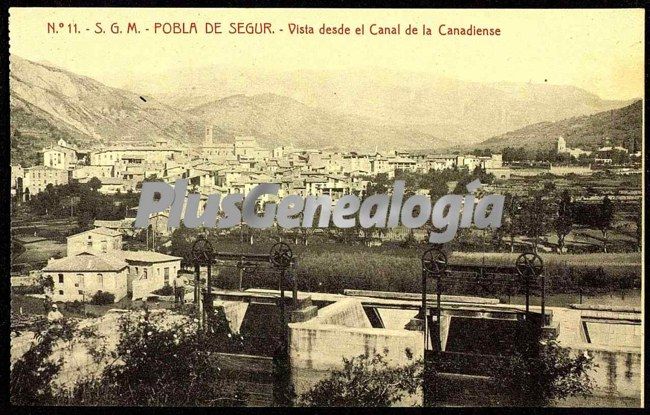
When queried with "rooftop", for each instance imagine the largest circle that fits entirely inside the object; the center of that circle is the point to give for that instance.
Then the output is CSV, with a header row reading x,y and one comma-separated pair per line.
x,y
143,256
86,261
101,230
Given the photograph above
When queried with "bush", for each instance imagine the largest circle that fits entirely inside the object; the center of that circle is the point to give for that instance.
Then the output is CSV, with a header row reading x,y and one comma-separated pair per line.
x,y
102,298
27,289
166,290
366,381
32,374
188,368
555,374
76,306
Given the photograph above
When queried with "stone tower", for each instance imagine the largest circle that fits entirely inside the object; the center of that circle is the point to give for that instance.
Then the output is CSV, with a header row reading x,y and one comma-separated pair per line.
x,y
207,141
561,145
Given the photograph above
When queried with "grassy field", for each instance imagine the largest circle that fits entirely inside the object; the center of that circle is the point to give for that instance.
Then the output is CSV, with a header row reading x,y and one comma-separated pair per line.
x,y
613,260
333,268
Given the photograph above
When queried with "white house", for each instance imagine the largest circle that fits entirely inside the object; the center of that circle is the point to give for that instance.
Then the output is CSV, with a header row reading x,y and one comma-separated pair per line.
x,y
98,240
148,270
79,277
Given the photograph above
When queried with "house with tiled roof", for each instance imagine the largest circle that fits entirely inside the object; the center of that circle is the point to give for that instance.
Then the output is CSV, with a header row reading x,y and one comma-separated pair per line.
x,y
148,270
80,277
98,240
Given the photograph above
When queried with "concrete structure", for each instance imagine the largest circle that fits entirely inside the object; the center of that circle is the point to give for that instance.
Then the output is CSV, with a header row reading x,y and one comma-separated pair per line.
x,y
366,322
85,173
564,170
115,185
614,337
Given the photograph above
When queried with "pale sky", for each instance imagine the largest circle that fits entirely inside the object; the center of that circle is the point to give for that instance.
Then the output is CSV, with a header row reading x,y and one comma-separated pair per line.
x,y
601,51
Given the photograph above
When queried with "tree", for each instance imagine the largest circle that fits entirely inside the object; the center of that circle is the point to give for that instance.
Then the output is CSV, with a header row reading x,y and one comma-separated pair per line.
x,y
604,219
438,187
533,221
564,220
554,374
32,374
378,185
181,242
549,187
511,218
187,362
366,381
95,184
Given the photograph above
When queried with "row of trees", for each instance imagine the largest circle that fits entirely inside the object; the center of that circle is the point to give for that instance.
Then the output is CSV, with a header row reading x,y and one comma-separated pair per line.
x,y
541,212
545,211
522,154
434,181
82,201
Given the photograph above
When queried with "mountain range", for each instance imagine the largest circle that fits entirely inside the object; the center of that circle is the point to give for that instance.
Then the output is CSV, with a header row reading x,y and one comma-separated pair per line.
x,y
622,126
449,109
335,110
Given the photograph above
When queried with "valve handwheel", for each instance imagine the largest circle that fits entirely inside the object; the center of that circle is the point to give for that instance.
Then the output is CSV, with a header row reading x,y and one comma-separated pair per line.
x,y
434,261
281,255
202,251
529,265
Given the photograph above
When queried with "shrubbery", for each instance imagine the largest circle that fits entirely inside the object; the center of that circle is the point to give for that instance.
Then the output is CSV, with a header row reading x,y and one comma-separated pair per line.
x,y
102,298
165,290
555,374
166,362
366,381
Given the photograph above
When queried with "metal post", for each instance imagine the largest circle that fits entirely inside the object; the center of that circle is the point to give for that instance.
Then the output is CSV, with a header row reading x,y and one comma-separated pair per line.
x,y
295,288
282,258
240,265
208,299
197,283
283,319
544,298
439,311
527,295
434,262
202,253
424,309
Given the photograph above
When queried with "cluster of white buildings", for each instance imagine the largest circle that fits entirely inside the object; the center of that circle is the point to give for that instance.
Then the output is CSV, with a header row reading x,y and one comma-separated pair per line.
x,y
602,155
228,167
96,262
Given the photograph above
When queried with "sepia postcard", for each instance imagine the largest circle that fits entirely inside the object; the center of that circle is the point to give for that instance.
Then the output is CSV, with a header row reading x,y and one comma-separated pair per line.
x,y
326,207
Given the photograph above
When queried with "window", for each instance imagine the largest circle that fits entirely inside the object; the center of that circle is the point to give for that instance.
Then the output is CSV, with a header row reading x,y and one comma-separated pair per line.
x,y
166,275
144,273
81,292
60,278
60,292
104,246
100,280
